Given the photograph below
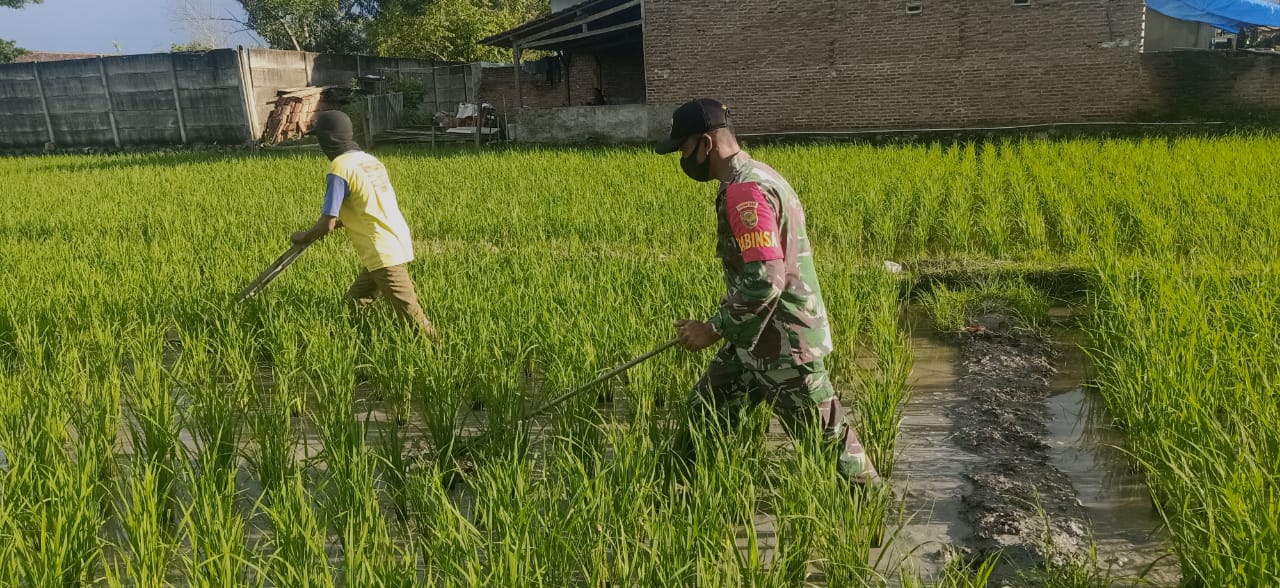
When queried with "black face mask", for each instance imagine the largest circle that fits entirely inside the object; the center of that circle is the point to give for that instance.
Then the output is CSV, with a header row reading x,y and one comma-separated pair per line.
x,y
334,132
698,172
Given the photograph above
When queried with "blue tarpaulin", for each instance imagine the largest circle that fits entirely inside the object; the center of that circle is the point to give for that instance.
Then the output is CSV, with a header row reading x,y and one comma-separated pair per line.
x,y
1228,15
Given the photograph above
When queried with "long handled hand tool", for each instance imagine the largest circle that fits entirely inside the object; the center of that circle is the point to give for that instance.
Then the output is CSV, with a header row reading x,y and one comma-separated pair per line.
x,y
272,272
557,401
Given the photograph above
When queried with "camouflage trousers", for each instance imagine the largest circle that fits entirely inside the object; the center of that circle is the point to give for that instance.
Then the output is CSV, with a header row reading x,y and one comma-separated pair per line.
x,y
802,397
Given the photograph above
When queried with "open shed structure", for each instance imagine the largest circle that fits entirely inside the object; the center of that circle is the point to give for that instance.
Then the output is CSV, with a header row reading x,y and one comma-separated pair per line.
x,y
598,45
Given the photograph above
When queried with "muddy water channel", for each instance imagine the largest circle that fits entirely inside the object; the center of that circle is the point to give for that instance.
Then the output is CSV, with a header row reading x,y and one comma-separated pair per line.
x,y
1004,449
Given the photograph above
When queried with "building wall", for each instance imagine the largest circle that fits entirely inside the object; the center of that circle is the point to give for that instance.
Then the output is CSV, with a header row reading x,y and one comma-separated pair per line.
x,y
1163,33
497,87
268,71
626,123
212,97
620,74
623,73
831,65
1214,85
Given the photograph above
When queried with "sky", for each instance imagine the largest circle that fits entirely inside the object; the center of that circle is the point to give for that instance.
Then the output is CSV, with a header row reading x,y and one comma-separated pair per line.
x,y
137,26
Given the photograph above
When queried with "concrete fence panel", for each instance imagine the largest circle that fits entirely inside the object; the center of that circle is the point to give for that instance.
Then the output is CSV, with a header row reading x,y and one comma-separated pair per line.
x,y
210,96
76,100
143,99
22,114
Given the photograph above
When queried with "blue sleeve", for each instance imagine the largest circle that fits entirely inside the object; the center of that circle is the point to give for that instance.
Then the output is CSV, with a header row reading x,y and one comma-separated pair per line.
x,y
334,193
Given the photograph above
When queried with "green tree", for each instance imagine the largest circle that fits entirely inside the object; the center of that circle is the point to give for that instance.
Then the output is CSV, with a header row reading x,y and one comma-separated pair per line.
x,y
10,51
192,46
448,30
326,26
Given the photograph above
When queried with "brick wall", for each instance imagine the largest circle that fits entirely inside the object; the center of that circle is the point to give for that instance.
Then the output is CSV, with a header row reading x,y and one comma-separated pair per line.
x,y
497,85
583,79
833,64
619,73
1214,84
623,73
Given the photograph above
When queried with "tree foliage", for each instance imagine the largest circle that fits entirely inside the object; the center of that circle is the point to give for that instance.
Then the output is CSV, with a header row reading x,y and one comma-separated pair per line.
x,y
10,51
326,26
192,46
429,29
449,30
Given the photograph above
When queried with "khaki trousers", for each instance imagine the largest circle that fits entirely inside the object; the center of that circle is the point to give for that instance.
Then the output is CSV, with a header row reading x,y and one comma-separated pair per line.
x,y
396,288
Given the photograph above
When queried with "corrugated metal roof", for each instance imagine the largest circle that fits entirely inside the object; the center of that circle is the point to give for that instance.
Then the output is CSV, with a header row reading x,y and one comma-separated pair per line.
x,y
566,15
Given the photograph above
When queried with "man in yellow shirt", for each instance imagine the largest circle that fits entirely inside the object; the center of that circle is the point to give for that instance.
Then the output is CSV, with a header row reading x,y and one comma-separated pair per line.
x,y
359,198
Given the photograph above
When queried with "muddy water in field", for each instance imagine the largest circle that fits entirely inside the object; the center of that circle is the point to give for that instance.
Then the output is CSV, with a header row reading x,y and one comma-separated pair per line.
x,y
931,471
1086,445
1124,522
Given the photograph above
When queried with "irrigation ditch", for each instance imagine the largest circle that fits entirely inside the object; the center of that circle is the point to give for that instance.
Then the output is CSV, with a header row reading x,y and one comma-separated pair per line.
x,y
1007,453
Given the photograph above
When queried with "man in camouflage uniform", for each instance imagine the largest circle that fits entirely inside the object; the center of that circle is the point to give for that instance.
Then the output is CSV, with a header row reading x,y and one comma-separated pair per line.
x,y
772,317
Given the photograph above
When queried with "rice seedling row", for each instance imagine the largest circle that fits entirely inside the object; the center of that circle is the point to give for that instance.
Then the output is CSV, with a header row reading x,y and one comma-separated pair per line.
x,y
153,433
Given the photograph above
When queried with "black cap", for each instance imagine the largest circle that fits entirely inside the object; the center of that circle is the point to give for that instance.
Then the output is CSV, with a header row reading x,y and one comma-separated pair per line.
x,y
694,118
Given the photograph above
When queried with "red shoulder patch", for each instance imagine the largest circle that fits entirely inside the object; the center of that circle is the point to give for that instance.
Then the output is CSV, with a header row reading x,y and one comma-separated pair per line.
x,y
754,222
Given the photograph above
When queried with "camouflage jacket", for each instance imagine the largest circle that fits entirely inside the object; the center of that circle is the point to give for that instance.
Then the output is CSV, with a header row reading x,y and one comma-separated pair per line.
x,y
772,312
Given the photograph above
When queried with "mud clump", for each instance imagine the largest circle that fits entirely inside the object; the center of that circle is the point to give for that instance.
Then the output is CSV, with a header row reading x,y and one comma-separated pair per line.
x,y
1020,506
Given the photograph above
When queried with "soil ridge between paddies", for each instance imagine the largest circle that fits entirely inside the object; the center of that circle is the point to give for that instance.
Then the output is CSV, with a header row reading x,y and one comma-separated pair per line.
x,y
1021,505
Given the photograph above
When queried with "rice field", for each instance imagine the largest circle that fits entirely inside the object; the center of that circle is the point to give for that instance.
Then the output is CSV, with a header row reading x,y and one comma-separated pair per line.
x,y
153,433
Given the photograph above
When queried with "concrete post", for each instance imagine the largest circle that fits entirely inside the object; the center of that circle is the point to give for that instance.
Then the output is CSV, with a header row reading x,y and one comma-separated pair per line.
x,y
520,92
435,95
368,121
111,111
44,104
516,71
177,99
246,95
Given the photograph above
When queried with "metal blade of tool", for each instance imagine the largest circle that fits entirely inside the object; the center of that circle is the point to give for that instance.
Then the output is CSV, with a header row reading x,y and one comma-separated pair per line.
x,y
557,401
272,272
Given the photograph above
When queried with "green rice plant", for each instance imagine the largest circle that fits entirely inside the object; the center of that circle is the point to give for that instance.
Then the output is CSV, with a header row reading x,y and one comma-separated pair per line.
x,y
440,396
370,557
298,539
883,389
538,289
396,359
948,309
952,310
504,514
149,540
959,574
1031,207
937,163
53,499
154,425
216,554
445,542
219,392
959,216
993,209
271,455
1186,364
